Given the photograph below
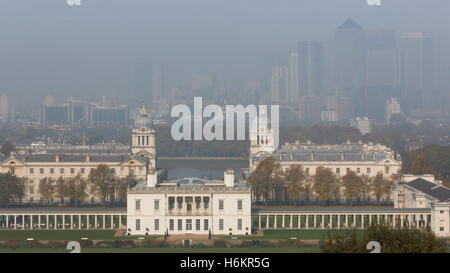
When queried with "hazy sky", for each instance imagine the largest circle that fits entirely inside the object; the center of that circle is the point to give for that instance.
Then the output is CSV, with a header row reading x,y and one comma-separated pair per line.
x,y
49,47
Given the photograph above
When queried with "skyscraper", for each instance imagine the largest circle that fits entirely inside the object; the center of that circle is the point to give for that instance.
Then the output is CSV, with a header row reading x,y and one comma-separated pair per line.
x,y
381,58
310,68
417,64
350,56
293,78
279,84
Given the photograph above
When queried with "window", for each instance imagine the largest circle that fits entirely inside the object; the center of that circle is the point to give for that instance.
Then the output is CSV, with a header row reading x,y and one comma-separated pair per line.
x,y
198,201
31,190
386,169
11,170
205,224
171,224
307,170
92,200
156,204
180,224
31,170
138,205
61,171
189,224
138,224
220,224
348,170
72,170
220,204
82,170
180,202
188,206
239,204
338,170
441,211
52,170
156,224
358,170
239,226
368,170
41,170
171,203
197,224
441,229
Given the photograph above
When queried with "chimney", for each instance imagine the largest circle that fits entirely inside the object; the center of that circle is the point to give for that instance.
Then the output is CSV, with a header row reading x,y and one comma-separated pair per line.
x,y
57,158
88,158
312,156
152,178
228,178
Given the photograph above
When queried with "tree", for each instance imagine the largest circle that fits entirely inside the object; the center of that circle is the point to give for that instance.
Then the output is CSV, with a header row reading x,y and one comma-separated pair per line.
x,y
7,187
296,177
421,164
326,184
102,181
46,188
61,189
352,186
123,185
365,187
19,186
7,148
76,189
391,240
263,178
378,186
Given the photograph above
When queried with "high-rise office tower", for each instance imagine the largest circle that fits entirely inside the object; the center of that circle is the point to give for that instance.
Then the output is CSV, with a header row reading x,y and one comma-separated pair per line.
x,y
381,58
417,64
293,78
279,84
350,56
310,68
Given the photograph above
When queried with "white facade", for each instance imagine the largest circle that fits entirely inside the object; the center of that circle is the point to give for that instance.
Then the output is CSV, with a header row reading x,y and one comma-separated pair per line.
x,y
190,206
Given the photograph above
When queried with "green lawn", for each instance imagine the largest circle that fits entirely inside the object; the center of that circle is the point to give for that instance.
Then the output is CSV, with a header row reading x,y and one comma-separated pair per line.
x,y
310,234
172,250
57,234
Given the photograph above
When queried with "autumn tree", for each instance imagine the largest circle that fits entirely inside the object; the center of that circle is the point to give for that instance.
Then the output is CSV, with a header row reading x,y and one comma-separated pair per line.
x,y
263,178
46,188
392,240
421,164
7,148
378,186
326,184
123,185
295,177
352,186
61,189
76,189
102,181
7,187
365,187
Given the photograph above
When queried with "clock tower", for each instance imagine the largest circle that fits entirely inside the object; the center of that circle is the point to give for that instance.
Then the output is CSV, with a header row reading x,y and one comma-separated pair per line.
x,y
143,137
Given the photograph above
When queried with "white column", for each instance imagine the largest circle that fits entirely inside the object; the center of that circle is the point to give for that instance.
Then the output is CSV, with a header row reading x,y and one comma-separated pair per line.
x,y
307,221
104,222
339,221
95,221
7,221
64,221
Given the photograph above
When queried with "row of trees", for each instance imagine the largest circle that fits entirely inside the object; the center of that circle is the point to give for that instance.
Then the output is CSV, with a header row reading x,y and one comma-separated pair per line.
x,y
101,182
270,183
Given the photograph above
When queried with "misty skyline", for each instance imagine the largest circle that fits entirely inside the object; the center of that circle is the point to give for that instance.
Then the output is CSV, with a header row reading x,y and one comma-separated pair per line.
x,y
92,50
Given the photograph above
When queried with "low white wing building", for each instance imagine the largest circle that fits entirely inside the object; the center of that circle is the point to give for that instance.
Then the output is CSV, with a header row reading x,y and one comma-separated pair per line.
x,y
423,191
189,206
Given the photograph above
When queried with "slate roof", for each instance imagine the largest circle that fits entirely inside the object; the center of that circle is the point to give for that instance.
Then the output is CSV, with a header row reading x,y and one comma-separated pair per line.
x,y
434,190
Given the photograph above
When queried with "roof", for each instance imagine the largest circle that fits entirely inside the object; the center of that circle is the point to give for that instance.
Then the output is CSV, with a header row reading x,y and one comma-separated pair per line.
x,y
432,189
343,210
350,24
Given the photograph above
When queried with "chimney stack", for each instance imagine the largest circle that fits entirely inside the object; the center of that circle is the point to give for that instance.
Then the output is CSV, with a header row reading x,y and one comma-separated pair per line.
x,y
152,178
228,178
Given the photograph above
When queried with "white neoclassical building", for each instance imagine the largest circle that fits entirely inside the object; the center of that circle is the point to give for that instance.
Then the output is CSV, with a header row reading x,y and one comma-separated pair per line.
x,y
189,206
424,191
361,158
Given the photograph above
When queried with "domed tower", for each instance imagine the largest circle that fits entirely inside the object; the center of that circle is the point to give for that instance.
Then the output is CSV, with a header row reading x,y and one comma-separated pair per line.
x,y
143,137
261,136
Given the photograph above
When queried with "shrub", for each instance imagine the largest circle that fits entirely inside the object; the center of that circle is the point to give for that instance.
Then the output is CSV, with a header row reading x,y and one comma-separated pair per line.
x,y
266,244
124,243
153,243
247,243
220,243
199,245
86,243
105,244
57,244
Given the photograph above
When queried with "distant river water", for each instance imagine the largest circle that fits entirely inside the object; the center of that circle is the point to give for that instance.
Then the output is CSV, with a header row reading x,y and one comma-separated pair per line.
x,y
201,167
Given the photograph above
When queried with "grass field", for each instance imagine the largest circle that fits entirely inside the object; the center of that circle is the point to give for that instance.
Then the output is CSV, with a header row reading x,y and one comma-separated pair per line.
x,y
171,250
57,234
